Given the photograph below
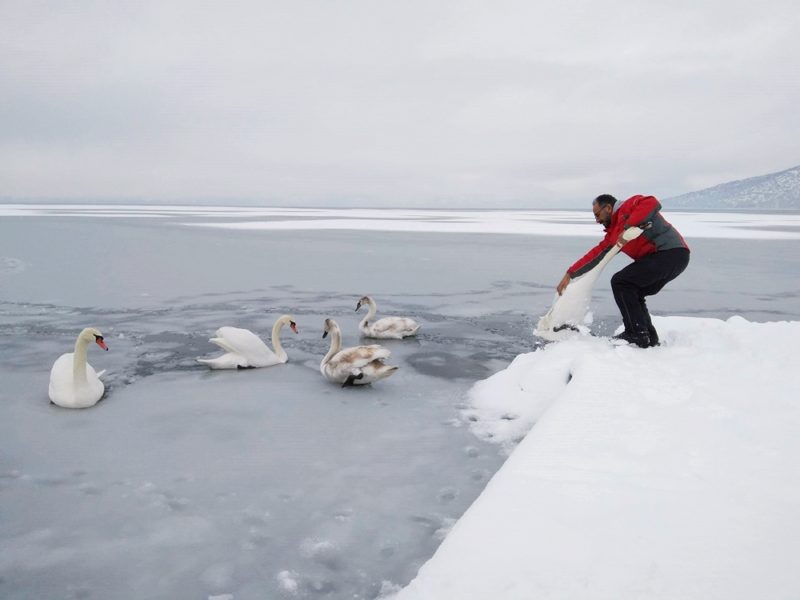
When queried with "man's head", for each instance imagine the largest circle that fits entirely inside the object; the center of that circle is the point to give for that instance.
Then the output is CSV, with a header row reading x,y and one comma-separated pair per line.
x,y
603,207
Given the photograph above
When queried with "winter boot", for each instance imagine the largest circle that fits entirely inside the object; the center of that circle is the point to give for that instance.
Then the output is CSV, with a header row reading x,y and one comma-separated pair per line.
x,y
641,339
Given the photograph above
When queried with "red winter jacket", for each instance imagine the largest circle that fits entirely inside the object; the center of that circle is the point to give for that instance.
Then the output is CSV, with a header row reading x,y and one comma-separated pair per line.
x,y
635,211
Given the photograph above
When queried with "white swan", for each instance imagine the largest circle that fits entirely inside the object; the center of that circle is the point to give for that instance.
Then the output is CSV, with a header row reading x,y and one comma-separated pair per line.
x,y
358,365
568,311
386,328
73,381
244,349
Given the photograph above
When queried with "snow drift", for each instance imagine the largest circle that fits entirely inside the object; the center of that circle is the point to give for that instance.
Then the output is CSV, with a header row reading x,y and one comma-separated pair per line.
x,y
660,473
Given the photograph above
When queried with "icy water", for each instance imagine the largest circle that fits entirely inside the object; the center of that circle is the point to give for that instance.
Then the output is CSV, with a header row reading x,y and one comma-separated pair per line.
x,y
272,483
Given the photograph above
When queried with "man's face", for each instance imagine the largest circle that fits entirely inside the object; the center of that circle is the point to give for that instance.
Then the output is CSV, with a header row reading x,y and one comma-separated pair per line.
x,y
602,213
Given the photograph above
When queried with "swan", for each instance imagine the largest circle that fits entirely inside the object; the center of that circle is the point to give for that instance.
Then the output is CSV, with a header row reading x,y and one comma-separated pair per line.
x,y
73,381
358,365
570,308
386,328
245,350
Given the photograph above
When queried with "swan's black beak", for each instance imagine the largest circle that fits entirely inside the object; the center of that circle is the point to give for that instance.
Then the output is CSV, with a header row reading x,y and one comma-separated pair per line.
x,y
358,305
324,334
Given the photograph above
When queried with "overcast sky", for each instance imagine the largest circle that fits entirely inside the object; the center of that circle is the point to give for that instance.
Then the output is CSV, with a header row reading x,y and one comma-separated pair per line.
x,y
483,104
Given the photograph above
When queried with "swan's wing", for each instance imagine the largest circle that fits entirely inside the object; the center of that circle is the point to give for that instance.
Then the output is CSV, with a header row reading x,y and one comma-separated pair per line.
x,y
223,343
359,356
336,372
395,325
376,351
245,343
61,376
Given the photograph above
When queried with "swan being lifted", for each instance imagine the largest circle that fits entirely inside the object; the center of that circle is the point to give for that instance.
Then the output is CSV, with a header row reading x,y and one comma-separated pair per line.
x,y
73,381
570,308
386,328
245,350
358,365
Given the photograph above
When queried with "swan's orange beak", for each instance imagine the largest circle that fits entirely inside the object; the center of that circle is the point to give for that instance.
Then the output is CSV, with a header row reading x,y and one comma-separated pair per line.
x,y
99,341
293,326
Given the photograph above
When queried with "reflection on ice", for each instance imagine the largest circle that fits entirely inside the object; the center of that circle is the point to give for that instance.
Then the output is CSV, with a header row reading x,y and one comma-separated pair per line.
x,y
447,365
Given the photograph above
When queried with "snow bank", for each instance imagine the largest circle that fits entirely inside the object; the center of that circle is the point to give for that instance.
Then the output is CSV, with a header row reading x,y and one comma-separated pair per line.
x,y
661,473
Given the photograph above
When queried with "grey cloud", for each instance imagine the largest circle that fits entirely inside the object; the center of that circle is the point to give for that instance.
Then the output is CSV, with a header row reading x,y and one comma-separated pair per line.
x,y
414,102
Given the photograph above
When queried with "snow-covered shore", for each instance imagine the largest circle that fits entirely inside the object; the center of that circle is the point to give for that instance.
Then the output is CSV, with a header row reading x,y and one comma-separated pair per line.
x,y
661,473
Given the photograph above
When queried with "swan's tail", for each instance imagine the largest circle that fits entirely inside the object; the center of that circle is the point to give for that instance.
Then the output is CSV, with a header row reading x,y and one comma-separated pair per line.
x,y
226,361
384,371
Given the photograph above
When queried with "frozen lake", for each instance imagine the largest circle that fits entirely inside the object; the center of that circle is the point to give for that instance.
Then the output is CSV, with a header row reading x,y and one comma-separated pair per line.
x,y
185,483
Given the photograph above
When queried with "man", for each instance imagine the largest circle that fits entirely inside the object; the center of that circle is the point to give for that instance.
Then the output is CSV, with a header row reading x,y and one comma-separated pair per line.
x,y
660,254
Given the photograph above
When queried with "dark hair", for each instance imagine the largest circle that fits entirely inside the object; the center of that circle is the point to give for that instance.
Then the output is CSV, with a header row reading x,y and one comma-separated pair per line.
x,y
605,199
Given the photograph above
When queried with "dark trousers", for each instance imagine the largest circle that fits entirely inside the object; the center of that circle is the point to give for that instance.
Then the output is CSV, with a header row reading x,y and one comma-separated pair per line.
x,y
645,277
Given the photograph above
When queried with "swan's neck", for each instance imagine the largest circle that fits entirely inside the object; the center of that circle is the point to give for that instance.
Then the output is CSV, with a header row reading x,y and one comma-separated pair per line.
x,y
336,345
79,361
276,341
371,313
607,258
594,273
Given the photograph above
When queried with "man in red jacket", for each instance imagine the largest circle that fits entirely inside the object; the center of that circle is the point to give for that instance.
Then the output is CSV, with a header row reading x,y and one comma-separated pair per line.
x,y
659,255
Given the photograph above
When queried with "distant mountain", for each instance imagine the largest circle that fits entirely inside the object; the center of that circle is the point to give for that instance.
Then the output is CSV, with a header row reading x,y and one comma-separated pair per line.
x,y
776,190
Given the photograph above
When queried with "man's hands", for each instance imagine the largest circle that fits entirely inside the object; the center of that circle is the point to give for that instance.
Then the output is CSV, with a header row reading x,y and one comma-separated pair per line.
x,y
562,285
